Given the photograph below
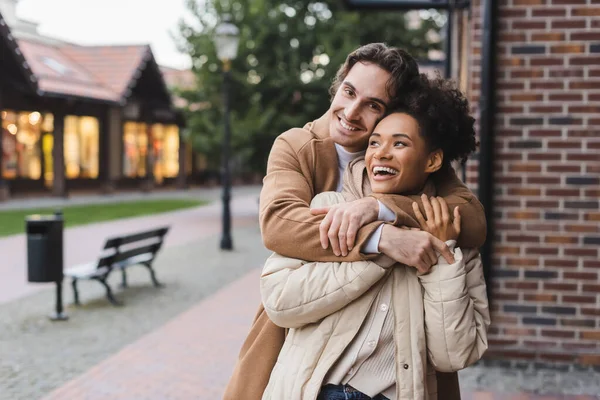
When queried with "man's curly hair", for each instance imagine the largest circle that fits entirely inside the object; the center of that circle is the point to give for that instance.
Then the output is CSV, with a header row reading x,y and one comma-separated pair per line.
x,y
442,112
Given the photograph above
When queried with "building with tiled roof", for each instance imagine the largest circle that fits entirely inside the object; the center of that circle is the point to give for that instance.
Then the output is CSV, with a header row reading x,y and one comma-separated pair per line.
x,y
107,107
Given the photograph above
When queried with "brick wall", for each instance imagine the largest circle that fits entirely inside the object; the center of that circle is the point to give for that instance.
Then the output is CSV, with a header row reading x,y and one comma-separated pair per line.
x,y
546,287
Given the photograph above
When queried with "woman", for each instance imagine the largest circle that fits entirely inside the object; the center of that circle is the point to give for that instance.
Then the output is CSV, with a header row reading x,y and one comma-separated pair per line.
x,y
366,329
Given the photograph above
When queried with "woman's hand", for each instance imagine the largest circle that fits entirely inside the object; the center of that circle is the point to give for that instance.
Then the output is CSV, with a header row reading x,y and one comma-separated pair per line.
x,y
437,221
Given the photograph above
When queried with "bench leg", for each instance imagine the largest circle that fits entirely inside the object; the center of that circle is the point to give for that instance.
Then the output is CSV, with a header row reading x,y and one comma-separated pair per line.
x,y
123,278
75,292
153,275
109,294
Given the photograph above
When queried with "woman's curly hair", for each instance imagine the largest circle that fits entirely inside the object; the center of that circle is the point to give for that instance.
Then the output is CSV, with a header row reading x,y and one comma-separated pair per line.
x,y
442,112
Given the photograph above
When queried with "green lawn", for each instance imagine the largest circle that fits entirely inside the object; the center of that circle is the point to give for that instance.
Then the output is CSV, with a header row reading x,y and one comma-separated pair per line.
x,y
13,221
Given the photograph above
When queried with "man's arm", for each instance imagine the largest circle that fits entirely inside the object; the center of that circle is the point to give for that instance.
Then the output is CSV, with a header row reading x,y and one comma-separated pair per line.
x,y
455,193
296,292
287,225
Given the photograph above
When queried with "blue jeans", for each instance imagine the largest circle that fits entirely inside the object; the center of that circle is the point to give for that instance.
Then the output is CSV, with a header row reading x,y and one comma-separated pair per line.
x,y
345,392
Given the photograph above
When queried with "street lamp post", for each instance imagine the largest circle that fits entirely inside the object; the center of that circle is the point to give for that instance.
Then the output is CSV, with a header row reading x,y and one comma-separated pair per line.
x,y
226,43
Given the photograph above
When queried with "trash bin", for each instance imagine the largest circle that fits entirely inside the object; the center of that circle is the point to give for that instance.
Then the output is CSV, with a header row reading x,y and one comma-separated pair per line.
x,y
44,248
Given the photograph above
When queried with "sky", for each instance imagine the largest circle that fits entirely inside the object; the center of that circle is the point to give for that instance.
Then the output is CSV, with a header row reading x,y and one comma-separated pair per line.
x,y
94,22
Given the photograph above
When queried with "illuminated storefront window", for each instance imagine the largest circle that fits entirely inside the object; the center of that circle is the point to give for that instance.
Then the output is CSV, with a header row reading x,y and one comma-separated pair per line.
x,y
21,133
81,147
165,150
135,147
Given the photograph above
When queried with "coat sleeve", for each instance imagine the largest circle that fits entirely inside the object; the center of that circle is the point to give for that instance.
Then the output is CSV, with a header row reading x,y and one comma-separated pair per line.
x,y
457,316
296,292
455,193
287,226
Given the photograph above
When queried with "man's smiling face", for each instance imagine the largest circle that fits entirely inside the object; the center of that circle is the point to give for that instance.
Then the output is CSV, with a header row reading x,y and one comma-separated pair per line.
x,y
359,103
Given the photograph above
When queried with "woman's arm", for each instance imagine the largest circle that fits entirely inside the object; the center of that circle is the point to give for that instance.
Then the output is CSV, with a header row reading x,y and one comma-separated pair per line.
x,y
296,292
454,297
457,316
455,193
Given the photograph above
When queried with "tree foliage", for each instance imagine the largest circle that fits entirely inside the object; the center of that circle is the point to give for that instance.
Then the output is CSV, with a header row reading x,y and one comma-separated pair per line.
x,y
288,54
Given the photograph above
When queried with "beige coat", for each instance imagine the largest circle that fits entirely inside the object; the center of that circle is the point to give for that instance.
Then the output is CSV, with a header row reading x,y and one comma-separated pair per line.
x,y
441,319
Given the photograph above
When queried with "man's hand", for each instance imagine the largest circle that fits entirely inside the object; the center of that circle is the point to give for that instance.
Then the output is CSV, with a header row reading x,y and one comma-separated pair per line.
x,y
343,221
437,221
413,248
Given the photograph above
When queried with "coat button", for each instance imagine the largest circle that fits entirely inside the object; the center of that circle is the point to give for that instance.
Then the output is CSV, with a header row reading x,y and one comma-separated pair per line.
x,y
405,366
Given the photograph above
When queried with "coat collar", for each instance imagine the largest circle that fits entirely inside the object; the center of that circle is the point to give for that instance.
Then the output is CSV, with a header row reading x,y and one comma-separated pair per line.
x,y
319,127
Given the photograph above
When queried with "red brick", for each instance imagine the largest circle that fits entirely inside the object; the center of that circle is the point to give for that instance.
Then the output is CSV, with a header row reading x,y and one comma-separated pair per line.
x,y
584,109
563,192
557,333
542,227
541,250
560,239
525,167
514,36
523,238
528,73
506,250
565,96
582,228
529,2
521,285
557,357
565,168
524,191
568,48
562,73
591,264
546,62
522,262
548,109
581,252
548,12
585,36
519,332
582,157
563,287
579,299
526,97
541,203
568,24
580,275
586,12
541,297
544,132
589,359
589,84
560,263
590,311
589,288
524,215
506,296
578,346
592,193
527,24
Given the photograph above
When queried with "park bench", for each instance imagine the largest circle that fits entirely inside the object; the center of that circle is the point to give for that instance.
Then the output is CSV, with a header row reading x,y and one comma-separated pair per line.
x,y
120,252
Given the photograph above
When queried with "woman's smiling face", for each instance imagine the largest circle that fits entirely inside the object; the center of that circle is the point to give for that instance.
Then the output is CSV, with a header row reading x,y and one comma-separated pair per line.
x,y
398,159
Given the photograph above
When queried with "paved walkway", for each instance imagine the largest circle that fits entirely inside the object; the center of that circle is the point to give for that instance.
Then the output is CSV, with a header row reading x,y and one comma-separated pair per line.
x,y
179,342
192,356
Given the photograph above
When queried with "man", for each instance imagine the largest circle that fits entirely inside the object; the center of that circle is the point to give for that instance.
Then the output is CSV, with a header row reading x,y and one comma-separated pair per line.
x,y
311,160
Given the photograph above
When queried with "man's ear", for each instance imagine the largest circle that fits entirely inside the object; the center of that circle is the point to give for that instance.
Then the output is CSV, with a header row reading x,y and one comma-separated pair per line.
x,y
434,161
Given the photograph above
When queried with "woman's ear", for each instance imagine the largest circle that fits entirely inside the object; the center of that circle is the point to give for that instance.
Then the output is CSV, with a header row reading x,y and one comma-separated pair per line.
x,y
434,161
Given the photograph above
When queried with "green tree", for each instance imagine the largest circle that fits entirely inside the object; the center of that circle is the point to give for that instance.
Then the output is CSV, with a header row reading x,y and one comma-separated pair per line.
x,y
288,54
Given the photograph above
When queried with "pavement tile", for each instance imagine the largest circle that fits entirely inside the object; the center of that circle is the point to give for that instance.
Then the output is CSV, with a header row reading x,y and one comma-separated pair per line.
x,y
190,357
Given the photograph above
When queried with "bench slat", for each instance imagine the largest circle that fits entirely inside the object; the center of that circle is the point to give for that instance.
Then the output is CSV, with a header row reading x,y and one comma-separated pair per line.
x,y
136,237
